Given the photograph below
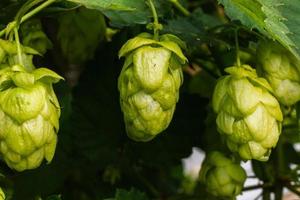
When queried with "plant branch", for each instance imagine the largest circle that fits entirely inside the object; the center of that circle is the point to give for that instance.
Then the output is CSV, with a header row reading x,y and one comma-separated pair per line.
x,y
254,187
182,9
27,16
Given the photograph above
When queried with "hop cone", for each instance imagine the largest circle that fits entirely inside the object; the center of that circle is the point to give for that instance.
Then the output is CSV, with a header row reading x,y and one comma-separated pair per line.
x,y
281,69
247,114
34,37
29,116
149,84
222,176
79,34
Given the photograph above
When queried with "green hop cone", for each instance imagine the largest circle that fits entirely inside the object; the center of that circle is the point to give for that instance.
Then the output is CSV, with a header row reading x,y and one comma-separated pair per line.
x,y
221,175
149,83
29,113
282,70
34,37
80,32
247,113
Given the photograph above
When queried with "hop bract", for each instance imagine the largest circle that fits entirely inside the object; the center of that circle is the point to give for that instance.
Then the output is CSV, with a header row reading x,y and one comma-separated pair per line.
x,y
247,113
149,83
221,175
281,69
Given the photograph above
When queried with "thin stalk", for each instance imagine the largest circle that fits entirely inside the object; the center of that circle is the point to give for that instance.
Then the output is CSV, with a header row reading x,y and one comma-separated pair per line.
x,y
18,46
280,170
155,18
29,15
182,9
25,8
278,191
36,10
253,187
238,61
266,194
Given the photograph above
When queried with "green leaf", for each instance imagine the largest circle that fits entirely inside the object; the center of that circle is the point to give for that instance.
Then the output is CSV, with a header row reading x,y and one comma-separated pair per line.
x,y
269,17
120,12
124,5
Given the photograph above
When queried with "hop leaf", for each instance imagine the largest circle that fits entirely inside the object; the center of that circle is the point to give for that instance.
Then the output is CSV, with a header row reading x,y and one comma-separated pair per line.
x,y
149,84
247,113
221,175
282,70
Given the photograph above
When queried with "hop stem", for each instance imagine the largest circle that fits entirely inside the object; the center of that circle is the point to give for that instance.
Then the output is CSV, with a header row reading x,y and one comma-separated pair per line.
x,y
182,9
27,16
156,25
238,61
18,46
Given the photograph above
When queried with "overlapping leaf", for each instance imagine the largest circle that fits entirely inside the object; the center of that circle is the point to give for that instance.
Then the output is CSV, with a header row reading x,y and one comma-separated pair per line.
x,y
276,19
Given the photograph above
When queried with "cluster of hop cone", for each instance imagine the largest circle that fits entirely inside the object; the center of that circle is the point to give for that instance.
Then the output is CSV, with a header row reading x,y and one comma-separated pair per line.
x,y
247,102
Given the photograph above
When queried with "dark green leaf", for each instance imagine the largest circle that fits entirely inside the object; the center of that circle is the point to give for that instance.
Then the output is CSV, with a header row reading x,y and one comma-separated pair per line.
x,y
270,18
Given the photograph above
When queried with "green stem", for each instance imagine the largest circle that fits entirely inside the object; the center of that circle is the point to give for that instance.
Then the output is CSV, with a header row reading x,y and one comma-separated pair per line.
x,y
266,194
298,115
30,14
18,46
25,8
180,7
253,187
36,10
238,61
280,169
155,18
278,191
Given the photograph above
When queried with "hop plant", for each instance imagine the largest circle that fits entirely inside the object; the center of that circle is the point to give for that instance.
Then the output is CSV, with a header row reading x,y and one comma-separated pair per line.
x,y
221,175
247,114
149,83
282,70
33,36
